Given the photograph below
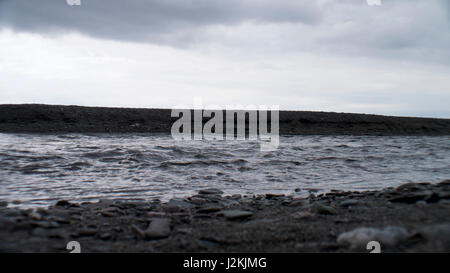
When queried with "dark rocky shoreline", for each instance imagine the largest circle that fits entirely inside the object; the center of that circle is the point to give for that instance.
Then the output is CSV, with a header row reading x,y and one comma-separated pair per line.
x,y
414,217
37,118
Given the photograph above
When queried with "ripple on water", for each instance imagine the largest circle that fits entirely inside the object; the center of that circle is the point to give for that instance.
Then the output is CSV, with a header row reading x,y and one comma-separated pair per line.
x,y
40,169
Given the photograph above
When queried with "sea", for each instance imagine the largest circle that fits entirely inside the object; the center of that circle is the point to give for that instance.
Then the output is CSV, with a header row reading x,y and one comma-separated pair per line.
x,y
36,170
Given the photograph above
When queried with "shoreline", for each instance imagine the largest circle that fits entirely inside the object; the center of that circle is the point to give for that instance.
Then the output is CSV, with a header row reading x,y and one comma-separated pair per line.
x,y
413,217
40,118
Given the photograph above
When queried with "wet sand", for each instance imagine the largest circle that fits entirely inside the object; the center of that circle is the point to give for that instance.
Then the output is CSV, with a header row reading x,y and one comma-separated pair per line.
x,y
410,218
36,118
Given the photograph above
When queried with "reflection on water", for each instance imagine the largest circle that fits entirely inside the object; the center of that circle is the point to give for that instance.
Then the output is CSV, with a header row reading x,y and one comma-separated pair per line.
x,y
39,169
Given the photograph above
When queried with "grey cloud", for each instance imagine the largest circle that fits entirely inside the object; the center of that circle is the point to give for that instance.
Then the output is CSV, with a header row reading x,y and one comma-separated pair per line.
x,y
144,20
415,30
411,30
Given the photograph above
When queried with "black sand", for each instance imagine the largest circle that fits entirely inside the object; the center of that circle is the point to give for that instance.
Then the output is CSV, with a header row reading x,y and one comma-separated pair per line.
x,y
36,118
269,223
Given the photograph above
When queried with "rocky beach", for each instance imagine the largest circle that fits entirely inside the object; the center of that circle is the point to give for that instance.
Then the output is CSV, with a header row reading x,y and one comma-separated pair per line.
x,y
39,118
414,217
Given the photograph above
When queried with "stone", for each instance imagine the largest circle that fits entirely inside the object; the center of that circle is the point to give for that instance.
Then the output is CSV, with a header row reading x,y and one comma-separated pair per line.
x,y
410,198
45,224
156,214
358,238
236,214
178,203
299,203
209,209
303,215
106,213
209,198
409,187
158,228
111,212
445,183
60,220
236,196
273,196
210,191
349,203
105,236
197,201
137,231
63,203
35,216
444,195
432,198
3,204
106,202
323,209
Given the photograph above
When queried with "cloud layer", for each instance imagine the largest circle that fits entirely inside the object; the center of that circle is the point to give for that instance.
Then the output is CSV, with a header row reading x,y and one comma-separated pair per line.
x,y
407,29
150,21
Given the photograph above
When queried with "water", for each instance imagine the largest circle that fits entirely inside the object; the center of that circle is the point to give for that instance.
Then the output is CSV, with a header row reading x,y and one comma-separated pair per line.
x,y
40,169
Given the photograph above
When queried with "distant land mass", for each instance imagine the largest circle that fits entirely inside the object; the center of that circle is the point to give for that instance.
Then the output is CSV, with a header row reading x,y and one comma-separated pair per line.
x,y
40,118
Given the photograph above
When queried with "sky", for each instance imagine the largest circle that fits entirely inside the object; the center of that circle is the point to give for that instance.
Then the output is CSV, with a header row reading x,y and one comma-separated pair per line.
x,y
324,55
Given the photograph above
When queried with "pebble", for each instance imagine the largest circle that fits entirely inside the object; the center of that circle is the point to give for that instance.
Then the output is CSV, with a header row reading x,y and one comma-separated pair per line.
x,y
303,215
111,212
432,198
45,224
210,191
358,238
272,195
410,198
178,203
62,203
106,213
3,204
209,209
158,228
236,214
197,201
349,203
105,236
444,195
137,231
156,214
323,209
409,187
35,216
445,183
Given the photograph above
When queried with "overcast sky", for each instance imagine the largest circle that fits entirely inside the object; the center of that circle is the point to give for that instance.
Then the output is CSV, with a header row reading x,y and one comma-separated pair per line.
x,y
324,55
